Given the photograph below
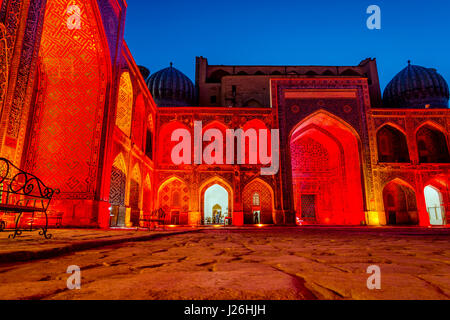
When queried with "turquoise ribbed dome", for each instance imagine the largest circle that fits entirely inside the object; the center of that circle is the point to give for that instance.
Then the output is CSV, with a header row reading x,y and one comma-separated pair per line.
x,y
171,88
416,87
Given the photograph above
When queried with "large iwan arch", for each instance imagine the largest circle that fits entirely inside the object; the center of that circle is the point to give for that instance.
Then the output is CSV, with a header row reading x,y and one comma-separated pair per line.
x,y
326,170
67,112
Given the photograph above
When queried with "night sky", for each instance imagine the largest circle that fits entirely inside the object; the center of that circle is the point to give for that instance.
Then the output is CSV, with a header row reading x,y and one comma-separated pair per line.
x,y
286,32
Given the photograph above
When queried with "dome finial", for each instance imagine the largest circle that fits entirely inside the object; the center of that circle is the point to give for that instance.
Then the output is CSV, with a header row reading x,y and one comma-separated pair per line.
x,y
171,64
409,62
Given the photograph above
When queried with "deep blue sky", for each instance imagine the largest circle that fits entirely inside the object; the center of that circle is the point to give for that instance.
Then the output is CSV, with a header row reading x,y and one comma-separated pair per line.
x,y
287,32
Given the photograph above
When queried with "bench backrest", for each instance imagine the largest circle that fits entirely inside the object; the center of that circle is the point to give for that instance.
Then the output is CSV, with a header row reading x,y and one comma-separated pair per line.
x,y
21,188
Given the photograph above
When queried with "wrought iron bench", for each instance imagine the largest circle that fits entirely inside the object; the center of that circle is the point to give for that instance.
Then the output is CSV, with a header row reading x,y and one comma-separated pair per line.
x,y
156,217
24,200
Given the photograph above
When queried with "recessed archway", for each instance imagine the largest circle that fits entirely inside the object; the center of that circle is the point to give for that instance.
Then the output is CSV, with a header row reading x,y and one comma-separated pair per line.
x,y
218,183
435,205
125,103
215,206
400,204
147,200
326,169
258,202
173,198
432,145
392,145
135,196
216,76
117,192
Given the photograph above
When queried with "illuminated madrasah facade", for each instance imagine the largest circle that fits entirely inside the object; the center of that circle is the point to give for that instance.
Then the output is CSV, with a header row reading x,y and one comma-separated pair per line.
x,y
79,113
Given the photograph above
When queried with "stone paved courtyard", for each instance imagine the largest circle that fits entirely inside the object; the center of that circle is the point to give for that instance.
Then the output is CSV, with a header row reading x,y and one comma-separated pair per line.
x,y
266,263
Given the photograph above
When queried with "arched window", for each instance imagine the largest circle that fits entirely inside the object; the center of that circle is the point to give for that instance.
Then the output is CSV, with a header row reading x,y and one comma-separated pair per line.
x,y
125,104
256,199
252,103
216,76
392,145
432,145
400,203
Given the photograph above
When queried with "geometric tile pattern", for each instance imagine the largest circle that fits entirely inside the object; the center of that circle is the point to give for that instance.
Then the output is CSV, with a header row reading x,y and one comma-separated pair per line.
x,y
265,201
125,104
117,189
3,65
67,127
175,194
307,155
134,202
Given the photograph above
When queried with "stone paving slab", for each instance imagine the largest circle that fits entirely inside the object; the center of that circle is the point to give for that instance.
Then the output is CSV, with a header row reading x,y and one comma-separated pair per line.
x,y
266,263
31,245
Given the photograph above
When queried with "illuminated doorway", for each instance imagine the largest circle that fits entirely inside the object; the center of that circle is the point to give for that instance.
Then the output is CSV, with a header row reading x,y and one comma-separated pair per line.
x,y
435,209
215,208
326,170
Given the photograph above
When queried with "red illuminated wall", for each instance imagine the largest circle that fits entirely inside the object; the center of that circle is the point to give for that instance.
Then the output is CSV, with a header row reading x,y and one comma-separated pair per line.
x,y
3,65
65,136
326,164
165,143
265,202
173,196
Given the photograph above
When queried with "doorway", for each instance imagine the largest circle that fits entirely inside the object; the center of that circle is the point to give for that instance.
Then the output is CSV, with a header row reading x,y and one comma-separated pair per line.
x,y
215,208
435,209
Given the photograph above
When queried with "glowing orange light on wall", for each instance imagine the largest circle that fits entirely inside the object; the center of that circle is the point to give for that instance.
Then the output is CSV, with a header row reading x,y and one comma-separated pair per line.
x,y
125,104
64,146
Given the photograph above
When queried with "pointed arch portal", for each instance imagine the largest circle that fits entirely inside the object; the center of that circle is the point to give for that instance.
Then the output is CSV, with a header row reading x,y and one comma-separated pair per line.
x,y
435,207
215,205
400,204
326,170
212,192
117,192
